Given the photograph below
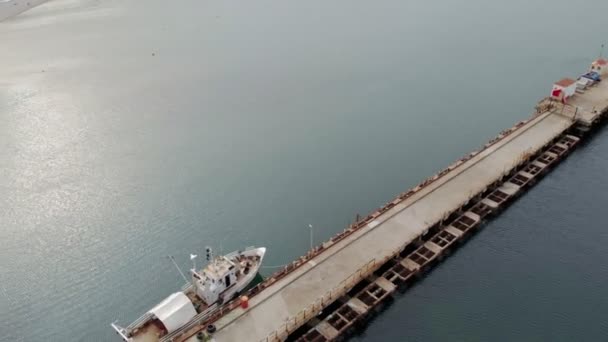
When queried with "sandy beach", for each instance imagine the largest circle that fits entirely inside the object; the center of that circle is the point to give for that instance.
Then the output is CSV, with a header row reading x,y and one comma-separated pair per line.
x,y
12,8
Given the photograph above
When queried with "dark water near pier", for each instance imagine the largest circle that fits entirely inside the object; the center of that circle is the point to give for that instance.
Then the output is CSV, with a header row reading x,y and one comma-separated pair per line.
x,y
536,273
130,130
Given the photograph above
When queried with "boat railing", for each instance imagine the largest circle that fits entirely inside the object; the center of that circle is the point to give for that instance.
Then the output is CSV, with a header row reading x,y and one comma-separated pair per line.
x,y
186,287
122,332
138,322
198,319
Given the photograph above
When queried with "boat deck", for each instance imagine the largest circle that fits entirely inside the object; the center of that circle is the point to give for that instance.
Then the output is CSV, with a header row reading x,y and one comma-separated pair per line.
x,y
148,333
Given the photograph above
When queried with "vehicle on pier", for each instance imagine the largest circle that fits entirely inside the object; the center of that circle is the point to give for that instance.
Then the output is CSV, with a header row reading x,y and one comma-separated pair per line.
x,y
592,75
221,280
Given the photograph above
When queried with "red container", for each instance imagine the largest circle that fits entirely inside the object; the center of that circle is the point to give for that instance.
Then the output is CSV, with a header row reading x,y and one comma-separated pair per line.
x,y
244,302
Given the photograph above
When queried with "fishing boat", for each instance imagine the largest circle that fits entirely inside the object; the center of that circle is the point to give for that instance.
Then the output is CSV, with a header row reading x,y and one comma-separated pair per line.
x,y
219,281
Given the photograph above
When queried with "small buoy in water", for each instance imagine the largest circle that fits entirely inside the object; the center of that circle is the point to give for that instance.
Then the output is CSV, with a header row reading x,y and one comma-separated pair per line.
x,y
244,302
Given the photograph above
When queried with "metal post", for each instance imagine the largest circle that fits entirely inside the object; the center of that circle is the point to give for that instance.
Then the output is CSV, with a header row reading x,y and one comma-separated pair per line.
x,y
311,240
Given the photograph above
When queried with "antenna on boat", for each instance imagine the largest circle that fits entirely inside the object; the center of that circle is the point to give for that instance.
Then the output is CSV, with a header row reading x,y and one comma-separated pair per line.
x,y
178,269
209,253
193,257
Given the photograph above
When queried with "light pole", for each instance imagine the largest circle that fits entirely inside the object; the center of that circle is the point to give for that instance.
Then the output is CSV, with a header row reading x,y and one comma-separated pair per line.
x,y
310,226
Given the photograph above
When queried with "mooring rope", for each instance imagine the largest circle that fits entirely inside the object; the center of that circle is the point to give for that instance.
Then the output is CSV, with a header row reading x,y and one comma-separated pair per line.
x,y
274,266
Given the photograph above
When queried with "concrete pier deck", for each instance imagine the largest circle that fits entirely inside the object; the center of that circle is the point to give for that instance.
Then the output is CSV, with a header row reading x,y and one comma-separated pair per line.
x,y
584,107
286,298
409,264
590,103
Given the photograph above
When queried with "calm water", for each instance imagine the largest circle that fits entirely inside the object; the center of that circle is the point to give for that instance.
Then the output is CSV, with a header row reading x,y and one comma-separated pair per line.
x,y
135,129
537,273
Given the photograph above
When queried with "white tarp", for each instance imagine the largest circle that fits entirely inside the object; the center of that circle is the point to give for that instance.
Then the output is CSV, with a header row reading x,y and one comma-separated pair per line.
x,y
583,83
175,311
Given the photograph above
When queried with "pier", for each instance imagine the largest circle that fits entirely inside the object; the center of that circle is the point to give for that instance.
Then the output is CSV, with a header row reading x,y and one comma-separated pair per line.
x,y
319,296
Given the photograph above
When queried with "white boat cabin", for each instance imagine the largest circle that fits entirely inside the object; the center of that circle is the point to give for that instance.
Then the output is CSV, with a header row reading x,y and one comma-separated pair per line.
x,y
217,277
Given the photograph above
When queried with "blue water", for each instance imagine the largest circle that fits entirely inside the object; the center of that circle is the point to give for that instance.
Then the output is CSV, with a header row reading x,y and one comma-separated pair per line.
x,y
135,129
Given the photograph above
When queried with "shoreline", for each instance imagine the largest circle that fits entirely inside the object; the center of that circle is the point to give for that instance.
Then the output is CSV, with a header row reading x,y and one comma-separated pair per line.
x,y
12,8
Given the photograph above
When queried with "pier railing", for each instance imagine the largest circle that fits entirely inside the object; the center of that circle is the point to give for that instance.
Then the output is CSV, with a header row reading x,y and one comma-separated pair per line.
x,y
402,197
313,309
331,296
359,224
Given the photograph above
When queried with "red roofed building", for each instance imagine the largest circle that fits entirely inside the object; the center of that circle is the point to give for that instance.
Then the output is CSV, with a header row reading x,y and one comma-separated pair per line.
x,y
600,66
563,89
